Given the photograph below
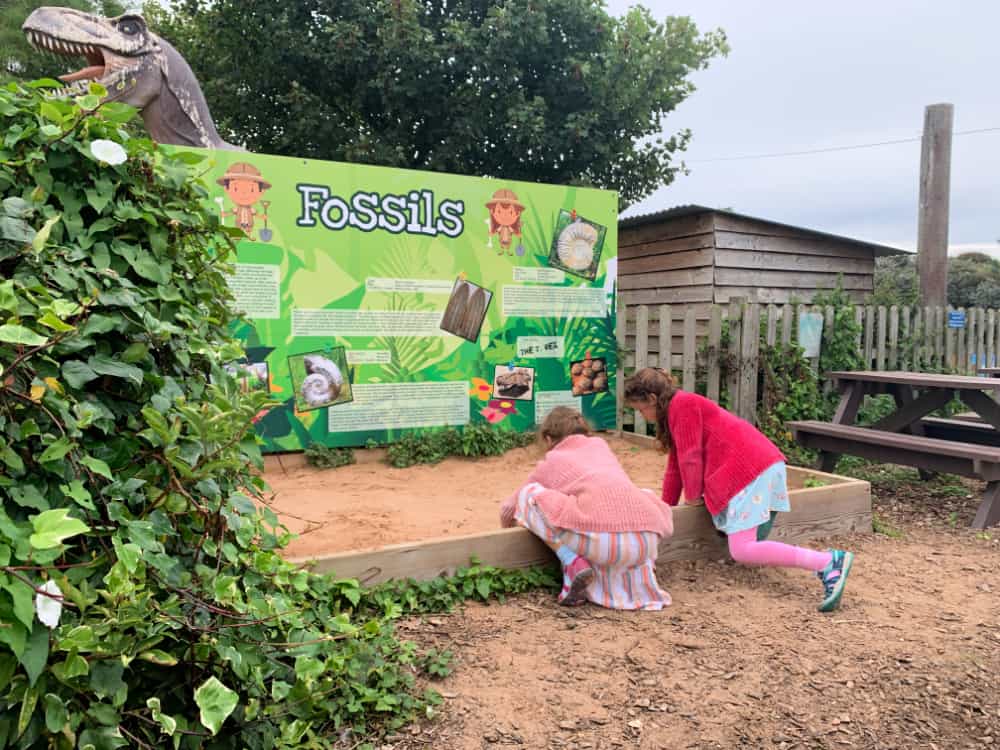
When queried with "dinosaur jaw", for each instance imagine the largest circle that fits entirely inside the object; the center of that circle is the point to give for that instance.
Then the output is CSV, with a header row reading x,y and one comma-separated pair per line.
x,y
103,66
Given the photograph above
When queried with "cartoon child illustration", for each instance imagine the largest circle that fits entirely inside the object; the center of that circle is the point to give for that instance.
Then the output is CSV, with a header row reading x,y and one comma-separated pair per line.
x,y
505,218
244,186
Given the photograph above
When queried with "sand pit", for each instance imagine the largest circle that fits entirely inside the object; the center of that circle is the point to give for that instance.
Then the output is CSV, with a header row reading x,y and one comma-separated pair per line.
x,y
371,505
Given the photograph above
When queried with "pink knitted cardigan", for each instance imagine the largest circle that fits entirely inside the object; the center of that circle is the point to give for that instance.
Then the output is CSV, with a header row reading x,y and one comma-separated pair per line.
x,y
588,490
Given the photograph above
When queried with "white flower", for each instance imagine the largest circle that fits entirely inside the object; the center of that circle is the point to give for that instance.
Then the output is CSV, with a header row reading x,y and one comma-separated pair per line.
x,y
108,151
48,608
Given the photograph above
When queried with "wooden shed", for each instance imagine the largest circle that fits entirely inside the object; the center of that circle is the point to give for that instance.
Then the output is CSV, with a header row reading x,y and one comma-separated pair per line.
x,y
694,255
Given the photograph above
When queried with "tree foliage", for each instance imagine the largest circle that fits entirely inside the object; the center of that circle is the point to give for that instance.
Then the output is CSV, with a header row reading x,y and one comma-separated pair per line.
x,y
549,90
973,281
127,481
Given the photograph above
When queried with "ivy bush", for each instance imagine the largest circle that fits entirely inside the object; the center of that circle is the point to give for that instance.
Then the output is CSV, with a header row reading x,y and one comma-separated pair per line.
x,y
127,478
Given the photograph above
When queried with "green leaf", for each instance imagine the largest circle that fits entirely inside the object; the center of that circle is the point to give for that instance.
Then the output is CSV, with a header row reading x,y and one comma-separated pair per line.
x,y
90,102
158,657
77,373
105,365
128,554
28,703
12,333
14,634
167,723
78,493
8,297
56,451
147,267
56,717
43,234
135,352
49,319
483,587
75,666
22,594
97,466
36,653
28,496
216,702
53,527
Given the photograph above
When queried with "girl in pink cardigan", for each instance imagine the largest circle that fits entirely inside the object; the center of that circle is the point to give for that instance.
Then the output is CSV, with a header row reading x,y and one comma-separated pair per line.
x,y
739,473
604,530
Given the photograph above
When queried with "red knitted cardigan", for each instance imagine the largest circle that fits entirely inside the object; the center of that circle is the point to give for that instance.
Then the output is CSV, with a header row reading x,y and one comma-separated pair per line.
x,y
586,489
715,454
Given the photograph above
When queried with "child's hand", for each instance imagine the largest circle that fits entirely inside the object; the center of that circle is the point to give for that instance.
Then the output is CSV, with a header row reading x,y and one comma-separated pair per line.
x,y
507,514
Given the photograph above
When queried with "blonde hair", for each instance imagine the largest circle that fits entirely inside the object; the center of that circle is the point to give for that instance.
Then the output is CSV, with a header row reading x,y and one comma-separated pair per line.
x,y
653,381
562,422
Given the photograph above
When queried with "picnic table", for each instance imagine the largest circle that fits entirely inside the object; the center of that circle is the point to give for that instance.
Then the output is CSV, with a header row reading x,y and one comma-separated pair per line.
x,y
993,372
910,436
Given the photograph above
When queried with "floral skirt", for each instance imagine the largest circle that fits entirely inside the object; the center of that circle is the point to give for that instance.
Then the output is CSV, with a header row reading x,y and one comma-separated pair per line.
x,y
753,505
623,561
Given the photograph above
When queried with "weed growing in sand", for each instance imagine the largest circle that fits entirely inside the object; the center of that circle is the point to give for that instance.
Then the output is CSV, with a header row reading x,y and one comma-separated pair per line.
x,y
473,441
881,526
324,457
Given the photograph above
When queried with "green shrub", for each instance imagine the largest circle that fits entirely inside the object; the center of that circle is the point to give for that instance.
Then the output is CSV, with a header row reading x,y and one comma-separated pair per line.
x,y
473,441
324,457
126,479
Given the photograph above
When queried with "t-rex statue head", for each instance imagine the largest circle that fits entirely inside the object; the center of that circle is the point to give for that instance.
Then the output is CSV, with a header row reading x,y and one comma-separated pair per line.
x,y
136,67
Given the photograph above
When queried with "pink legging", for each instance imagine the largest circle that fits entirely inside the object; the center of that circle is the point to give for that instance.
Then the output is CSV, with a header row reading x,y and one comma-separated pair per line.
x,y
745,548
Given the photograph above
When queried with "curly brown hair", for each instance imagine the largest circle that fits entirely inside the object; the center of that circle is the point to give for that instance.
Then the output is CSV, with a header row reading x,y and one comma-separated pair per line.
x,y
562,422
653,381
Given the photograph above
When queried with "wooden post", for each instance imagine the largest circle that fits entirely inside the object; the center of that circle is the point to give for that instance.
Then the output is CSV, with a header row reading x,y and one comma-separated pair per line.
x,y
714,342
750,347
786,324
880,341
970,339
735,337
935,185
893,336
980,339
690,352
859,317
641,354
949,342
916,358
666,337
991,327
772,324
961,334
869,335
929,337
620,372
905,359
940,321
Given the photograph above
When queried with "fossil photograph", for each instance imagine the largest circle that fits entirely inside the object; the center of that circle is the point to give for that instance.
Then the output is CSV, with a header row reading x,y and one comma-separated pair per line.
x,y
576,245
589,375
466,310
517,383
320,379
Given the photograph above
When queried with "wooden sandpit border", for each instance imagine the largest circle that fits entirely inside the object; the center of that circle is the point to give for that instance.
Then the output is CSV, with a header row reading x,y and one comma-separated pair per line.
x,y
842,505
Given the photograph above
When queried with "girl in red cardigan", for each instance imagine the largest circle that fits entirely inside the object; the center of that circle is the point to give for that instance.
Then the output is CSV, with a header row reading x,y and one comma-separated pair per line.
x,y
604,530
739,473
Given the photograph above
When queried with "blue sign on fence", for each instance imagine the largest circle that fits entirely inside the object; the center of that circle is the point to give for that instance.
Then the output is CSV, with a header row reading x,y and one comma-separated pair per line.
x,y
956,319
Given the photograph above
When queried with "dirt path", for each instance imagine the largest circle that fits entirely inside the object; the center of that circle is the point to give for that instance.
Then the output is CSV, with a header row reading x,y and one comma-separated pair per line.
x,y
742,659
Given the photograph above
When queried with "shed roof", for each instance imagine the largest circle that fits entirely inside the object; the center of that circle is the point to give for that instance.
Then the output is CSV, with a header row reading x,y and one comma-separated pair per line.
x,y
678,212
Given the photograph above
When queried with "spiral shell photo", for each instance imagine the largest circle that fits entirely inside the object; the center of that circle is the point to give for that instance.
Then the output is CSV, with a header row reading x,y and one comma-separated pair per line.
x,y
320,379
577,244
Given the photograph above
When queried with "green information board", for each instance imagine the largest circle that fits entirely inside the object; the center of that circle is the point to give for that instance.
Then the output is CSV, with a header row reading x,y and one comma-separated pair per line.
x,y
382,301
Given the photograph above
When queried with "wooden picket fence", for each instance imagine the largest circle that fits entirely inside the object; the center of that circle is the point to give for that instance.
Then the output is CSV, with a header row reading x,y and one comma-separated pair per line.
x,y
689,340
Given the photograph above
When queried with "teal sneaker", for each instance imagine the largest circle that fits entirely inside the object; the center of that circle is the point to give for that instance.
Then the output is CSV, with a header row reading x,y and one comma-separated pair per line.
x,y
833,577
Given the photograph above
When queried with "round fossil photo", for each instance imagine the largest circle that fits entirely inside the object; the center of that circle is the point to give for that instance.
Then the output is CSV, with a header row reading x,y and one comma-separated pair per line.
x,y
319,379
576,245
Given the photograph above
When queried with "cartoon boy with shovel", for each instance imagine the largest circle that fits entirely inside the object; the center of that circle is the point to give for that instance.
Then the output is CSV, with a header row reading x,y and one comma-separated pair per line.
x,y
244,186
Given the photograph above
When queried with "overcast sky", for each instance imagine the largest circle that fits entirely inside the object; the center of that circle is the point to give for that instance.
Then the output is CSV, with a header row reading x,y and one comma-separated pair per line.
x,y
809,75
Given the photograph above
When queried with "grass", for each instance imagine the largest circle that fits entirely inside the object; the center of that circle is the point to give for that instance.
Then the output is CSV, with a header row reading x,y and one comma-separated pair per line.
x,y
881,526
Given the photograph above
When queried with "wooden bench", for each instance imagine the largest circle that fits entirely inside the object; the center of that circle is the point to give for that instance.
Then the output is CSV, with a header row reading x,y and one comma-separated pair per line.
x,y
927,453
961,430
